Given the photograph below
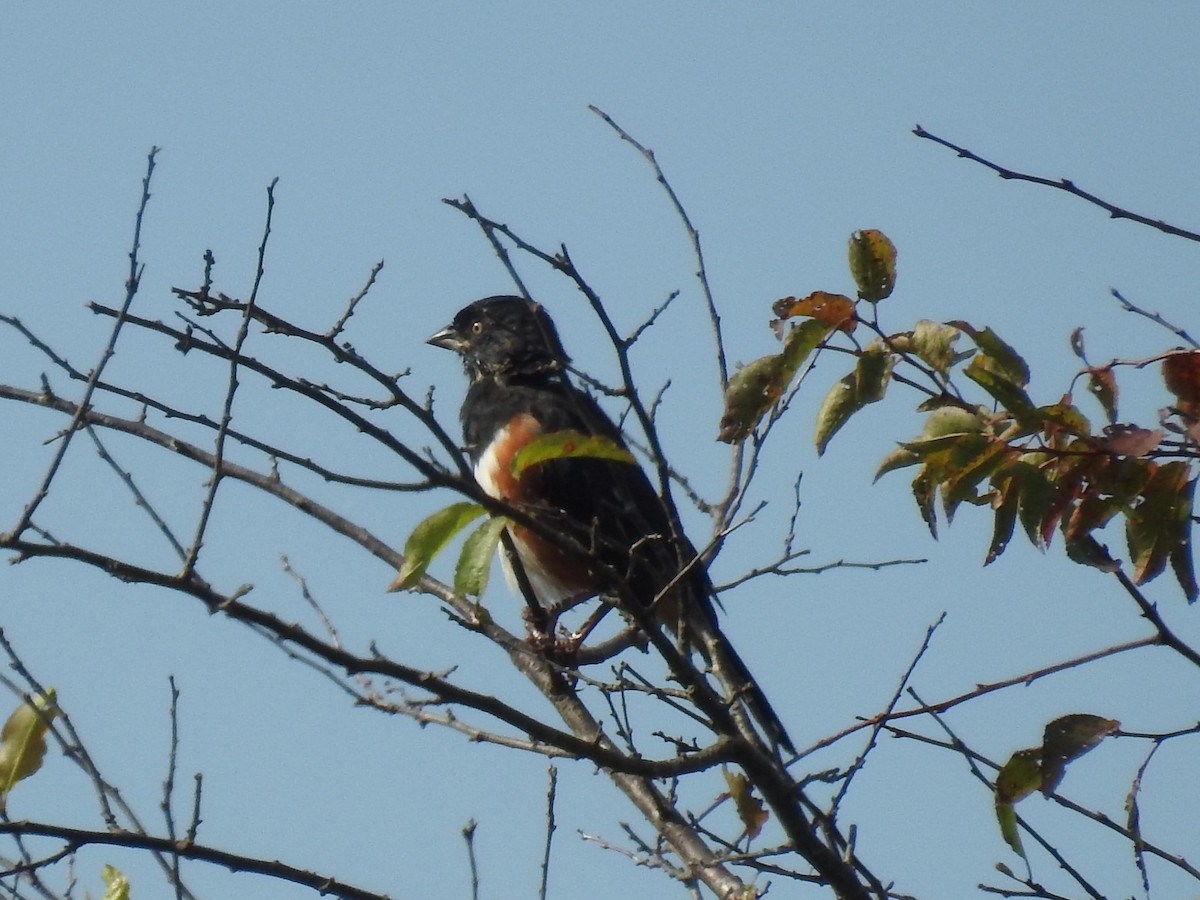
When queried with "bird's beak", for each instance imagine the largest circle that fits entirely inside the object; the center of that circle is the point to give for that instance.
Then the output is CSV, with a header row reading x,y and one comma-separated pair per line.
x,y
448,339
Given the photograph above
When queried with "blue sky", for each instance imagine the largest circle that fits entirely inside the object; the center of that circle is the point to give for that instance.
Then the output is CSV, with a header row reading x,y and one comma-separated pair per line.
x,y
783,127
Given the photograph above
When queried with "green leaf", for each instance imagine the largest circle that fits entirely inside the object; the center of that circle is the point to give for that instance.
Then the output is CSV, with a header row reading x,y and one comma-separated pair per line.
x,y
899,458
1181,557
568,444
1019,777
1007,817
116,885
1064,416
951,420
800,342
933,342
1000,357
866,384
1034,493
475,561
23,741
1184,568
429,538
978,462
873,372
836,409
1067,738
872,264
1008,393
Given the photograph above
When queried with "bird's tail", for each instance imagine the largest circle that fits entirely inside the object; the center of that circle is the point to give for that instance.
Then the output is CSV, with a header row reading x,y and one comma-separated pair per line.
x,y
734,674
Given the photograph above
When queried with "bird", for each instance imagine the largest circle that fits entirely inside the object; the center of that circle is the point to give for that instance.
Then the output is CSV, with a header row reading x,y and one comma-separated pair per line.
x,y
519,390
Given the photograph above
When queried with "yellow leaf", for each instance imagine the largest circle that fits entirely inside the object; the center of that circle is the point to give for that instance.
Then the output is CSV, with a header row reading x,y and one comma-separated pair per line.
x,y
749,808
1020,776
23,741
1007,817
116,885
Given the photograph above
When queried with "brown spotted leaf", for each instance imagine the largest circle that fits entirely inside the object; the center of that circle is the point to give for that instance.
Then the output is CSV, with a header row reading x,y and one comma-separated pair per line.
x,y
1102,382
751,392
872,264
1067,738
754,388
924,490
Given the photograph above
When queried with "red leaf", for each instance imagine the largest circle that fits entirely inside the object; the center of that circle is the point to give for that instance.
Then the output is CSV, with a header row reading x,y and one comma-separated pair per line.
x,y
1181,372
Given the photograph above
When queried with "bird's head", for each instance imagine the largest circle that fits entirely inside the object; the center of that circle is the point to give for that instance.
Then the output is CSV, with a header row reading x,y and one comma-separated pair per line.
x,y
501,337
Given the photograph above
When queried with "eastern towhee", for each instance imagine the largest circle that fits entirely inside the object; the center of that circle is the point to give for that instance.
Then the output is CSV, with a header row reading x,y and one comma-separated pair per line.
x,y
519,391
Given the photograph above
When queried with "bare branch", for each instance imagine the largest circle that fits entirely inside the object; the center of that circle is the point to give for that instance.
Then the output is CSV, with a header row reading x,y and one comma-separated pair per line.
x,y
131,287
74,838
1156,318
1061,184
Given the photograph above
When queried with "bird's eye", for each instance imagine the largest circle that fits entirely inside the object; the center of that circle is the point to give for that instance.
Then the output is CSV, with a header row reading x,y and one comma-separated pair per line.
x,y
477,327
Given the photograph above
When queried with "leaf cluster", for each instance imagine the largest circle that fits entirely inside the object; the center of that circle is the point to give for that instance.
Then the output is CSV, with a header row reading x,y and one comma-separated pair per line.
x,y
986,441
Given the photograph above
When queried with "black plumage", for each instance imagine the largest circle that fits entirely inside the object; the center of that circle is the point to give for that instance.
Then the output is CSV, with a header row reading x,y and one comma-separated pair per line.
x,y
519,390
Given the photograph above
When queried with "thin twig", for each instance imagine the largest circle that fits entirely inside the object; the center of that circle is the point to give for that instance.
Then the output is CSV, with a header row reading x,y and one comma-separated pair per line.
x,y
75,838
189,563
340,325
110,348
1062,184
1156,318
861,761
694,235
169,786
551,826
468,833
139,498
